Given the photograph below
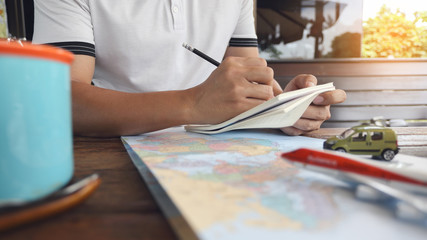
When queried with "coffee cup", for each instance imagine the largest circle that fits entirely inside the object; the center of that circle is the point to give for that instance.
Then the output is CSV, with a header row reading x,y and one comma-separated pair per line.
x,y
36,148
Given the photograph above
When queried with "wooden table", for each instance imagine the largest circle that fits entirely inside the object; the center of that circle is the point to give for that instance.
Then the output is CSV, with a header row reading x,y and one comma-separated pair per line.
x,y
122,207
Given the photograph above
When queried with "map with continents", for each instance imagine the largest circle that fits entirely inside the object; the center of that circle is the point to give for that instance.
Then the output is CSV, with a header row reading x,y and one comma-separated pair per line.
x,y
235,185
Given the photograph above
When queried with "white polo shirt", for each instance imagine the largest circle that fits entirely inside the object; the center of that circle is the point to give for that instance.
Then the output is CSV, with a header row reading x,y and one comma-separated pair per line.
x,y
138,43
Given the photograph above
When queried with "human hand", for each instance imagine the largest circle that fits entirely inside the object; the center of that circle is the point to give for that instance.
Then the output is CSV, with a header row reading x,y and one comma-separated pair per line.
x,y
318,111
237,85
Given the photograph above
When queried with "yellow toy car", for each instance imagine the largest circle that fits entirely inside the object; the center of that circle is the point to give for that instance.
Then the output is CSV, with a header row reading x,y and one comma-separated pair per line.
x,y
380,142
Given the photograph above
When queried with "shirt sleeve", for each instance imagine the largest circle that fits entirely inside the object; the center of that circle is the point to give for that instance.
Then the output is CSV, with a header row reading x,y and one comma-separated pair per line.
x,y
244,34
64,23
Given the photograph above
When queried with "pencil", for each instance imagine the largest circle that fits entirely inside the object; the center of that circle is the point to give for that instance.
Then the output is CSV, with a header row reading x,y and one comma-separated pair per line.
x,y
200,54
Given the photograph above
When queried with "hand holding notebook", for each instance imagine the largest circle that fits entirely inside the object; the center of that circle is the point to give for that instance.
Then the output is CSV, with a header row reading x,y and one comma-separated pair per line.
x,y
281,111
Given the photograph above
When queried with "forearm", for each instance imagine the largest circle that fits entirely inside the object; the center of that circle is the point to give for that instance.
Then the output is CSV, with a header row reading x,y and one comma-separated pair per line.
x,y
101,112
227,92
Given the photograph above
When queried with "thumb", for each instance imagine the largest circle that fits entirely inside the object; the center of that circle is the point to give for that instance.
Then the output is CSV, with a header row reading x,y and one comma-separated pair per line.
x,y
301,81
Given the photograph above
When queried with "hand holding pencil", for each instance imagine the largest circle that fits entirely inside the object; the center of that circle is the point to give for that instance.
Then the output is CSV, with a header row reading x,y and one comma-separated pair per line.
x,y
229,90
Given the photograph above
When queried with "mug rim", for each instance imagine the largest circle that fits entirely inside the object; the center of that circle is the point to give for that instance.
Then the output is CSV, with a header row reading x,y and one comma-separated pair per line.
x,y
25,48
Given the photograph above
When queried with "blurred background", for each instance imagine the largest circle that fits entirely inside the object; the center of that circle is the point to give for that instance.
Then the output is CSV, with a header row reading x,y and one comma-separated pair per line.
x,y
307,29
375,50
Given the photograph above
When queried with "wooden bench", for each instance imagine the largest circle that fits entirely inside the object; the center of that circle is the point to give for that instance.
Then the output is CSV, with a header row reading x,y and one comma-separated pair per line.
x,y
391,88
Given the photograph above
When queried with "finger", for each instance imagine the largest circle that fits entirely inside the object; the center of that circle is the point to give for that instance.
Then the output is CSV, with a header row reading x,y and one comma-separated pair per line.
x,y
258,91
277,89
302,126
301,81
263,75
291,131
307,125
332,97
252,102
320,113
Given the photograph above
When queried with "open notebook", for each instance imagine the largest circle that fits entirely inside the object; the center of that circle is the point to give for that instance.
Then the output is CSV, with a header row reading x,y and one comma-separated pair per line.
x,y
281,111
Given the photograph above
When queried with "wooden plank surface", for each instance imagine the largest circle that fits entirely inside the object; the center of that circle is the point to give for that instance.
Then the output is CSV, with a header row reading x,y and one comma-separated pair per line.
x,y
347,124
122,207
388,112
351,67
391,88
386,98
369,82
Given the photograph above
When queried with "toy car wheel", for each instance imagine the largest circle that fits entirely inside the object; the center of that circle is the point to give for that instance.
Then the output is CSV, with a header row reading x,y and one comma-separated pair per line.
x,y
340,150
387,155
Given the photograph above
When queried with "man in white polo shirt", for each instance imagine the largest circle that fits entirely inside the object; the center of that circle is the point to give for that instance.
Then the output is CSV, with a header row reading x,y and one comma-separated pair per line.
x,y
144,80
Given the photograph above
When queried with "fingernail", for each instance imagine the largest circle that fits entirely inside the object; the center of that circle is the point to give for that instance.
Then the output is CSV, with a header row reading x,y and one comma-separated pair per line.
x,y
311,84
318,100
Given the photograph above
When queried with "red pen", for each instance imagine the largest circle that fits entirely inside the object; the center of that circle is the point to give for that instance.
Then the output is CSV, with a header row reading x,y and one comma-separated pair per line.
x,y
400,175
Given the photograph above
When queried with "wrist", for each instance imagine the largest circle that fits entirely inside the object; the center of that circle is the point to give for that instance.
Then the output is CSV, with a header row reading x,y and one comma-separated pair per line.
x,y
189,103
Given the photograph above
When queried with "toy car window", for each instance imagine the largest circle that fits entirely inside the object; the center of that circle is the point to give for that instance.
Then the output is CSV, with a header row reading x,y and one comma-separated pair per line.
x,y
360,137
377,136
346,133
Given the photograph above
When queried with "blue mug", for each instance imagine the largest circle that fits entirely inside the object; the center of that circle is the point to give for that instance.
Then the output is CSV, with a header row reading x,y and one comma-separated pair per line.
x,y
36,148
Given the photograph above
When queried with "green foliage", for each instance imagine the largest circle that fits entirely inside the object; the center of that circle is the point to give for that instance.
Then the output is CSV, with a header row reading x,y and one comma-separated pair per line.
x,y
3,32
391,34
346,45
